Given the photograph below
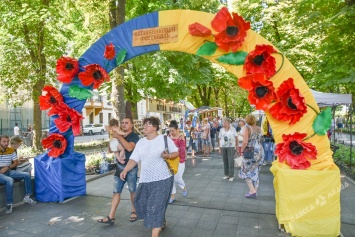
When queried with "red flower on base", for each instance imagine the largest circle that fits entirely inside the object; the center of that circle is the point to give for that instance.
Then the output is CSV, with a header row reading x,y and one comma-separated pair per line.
x,y
67,68
94,74
110,51
68,118
260,60
231,31
296,152
261,90
197,29
291,105
50,99
56,143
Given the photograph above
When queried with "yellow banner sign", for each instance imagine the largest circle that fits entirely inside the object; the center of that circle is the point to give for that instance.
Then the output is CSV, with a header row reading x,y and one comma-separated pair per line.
x,y
157,35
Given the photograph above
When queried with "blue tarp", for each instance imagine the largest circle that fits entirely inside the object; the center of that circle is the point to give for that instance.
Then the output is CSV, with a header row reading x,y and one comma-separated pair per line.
x,y
64,177
59,179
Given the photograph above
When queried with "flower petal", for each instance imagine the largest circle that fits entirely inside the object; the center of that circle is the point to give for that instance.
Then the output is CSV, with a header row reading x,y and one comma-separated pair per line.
x,y
197,29
219,22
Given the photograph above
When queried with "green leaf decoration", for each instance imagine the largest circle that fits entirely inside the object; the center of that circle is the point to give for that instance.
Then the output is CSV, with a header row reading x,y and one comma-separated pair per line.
x,y
236,58
322,122
121,56
79,93
207,49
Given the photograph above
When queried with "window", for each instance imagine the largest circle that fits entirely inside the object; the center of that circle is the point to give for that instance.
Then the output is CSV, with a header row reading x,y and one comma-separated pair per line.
x,y
101,119
91,117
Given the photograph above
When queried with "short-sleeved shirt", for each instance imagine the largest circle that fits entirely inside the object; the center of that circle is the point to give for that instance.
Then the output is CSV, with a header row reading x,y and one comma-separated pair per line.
x,y
132,137
230,135
7,156
148,152
16,131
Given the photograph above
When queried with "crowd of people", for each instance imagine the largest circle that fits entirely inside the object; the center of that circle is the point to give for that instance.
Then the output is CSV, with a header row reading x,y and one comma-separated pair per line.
x,y
143,161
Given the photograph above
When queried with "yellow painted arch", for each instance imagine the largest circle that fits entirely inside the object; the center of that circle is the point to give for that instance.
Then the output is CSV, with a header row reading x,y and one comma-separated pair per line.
x,y
299,194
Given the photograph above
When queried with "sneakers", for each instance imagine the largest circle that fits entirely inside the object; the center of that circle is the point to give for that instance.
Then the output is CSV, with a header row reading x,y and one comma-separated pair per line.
x,y
225,177
184,192
171,200
231,179
8,209
29,200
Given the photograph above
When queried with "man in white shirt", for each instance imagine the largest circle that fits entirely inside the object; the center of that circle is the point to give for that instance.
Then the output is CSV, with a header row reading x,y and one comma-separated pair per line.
x,y
16,130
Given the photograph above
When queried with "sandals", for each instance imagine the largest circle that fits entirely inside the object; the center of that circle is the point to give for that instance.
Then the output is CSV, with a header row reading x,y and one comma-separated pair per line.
x,y
109,221
133,218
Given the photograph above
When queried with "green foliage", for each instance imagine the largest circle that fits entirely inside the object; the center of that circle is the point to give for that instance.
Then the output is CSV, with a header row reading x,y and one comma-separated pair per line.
x,y
79,93
315,35
207,49
96,144
92,162
236,58
322,122
121,55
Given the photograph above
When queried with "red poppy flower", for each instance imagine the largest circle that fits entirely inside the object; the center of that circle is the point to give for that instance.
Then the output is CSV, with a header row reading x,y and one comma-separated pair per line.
x,y
261,90
296,152
56,143
260,60
67,68
50,99
110,51
68,118
94,74
291,105
231,31
197,29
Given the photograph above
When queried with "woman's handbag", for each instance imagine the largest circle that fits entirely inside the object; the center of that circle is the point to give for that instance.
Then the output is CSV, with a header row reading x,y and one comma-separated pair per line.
x,y
248,152
173,164
238,161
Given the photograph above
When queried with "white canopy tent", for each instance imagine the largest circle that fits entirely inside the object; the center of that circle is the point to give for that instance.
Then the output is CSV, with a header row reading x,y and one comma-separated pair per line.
x,y
331,99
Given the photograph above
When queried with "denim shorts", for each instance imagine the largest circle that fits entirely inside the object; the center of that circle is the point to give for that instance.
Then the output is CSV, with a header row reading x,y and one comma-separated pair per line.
x,y
206,142
131,179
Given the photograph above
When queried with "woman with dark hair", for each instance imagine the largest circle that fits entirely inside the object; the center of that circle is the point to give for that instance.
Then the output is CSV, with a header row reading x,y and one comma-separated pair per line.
x,y
179,141
156,181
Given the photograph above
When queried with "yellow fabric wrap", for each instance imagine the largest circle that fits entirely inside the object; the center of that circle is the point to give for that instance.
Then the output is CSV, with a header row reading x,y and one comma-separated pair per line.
x,y
294,189
308,201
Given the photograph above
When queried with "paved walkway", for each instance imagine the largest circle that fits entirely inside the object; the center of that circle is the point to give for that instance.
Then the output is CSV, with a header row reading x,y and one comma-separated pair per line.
x,y
213,208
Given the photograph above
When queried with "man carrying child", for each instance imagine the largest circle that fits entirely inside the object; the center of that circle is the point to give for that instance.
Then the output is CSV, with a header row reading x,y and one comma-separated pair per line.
x,y
127,139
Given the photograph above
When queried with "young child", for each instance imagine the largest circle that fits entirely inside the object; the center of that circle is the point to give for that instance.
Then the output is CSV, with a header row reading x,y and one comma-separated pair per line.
x,y
24,165
115,145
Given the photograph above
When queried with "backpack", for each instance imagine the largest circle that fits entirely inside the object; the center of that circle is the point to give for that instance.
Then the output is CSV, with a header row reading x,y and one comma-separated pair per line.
x,y
173,164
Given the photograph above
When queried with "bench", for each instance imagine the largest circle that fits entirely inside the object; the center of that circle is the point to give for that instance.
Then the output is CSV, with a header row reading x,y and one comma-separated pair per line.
x,y
18,194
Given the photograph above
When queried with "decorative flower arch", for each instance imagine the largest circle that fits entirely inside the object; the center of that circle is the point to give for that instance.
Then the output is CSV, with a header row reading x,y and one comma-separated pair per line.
x,y
274,85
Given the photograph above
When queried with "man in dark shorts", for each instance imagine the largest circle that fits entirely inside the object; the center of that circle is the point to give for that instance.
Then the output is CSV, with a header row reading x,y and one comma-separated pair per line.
x,y
340,125
128,139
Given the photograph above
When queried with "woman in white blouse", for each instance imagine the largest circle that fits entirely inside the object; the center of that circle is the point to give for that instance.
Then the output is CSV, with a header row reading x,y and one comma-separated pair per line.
x,y
227,143
156,181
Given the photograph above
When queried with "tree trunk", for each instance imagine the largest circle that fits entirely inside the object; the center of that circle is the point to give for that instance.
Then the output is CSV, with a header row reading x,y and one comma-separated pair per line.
x,y
216,93
39,59
117,16
37,115
226,103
